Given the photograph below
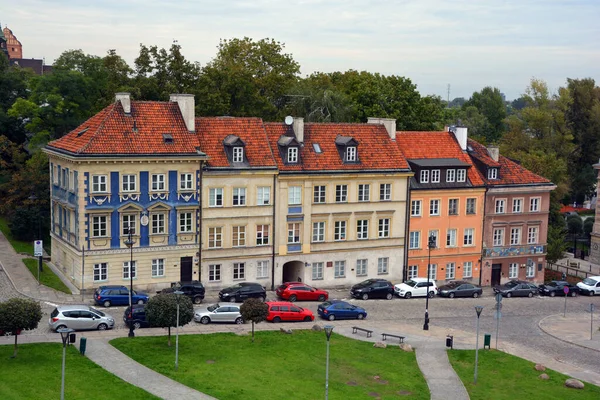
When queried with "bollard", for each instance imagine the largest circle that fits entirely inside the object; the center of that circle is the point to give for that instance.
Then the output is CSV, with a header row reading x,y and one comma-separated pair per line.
x,y
82,345
449,341
487,340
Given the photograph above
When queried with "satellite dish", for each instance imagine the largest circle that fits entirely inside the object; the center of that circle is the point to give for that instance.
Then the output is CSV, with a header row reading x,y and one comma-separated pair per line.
x,y
289,120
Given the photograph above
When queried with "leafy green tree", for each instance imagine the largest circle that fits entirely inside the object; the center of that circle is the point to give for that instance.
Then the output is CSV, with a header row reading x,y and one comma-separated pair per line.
x,y
17,315
254,310
588,226
161,311
556,244
13,85
490,104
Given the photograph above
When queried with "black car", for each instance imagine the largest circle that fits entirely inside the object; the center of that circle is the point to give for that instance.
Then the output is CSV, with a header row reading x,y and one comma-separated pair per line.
x,y
460,289
517,288
557,288
373,289
138,317
243,291
194,290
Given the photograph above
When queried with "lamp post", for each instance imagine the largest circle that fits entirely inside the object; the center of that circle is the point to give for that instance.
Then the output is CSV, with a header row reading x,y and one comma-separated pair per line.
x,y
430,245
177,293
478,309
129,243
328,330
64,334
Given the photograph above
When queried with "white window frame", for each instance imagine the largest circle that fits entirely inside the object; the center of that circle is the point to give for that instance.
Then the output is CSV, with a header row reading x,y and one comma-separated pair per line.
x,y
238,154
126,221
424,176
351,153
158,267
361,267
513,270
364,192
530,270
294,195
533,235
158,223
214,272
319,194
461,175
99,183
341,193
317,270
128,183
383,230
186,181
434,207
262,269
385,191
468,269
450,270
450,175
186,222
383,265
262,235
340,231
451,237
517,205
215,197
436,234
471,206
238,198
126,269
414,241
99,226
263,196
294,233
515,236
216,232
492,173
500,206
318,233
292,155
415,208
534,204
100,272
158,182
339,269
239,271
238,236
362,229
498,237
413,271
432,272
435,175
468,236
453,210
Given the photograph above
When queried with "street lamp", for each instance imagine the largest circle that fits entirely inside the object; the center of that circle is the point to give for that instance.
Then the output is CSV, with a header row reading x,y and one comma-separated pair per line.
x,y
64,334
328,330
177,293
129,243
431,245
478,309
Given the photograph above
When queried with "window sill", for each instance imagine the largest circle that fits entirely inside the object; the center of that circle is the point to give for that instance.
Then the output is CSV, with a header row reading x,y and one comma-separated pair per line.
x,y
383,273
158,276
262,277
217,206
339,277
317,279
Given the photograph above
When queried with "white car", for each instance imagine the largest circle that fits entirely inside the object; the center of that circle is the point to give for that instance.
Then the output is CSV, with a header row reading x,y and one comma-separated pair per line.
x,y
416,287
590,285
226,312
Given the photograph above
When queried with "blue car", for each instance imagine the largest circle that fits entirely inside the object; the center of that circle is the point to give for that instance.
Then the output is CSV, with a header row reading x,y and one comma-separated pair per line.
x,y
337,309
118,296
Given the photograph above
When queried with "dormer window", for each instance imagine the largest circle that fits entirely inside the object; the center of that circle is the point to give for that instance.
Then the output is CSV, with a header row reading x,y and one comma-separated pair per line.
x,y
461,175
350,153
292,155
424,178
289,149
492,173
347,148
435,176
234,148
238,154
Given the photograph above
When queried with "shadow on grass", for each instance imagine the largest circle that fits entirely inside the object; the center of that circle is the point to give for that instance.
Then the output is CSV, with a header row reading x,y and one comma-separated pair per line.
x,y
47,276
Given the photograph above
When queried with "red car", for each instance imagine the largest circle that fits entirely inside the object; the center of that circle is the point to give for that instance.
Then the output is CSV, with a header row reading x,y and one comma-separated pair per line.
x,y
285,311
293,291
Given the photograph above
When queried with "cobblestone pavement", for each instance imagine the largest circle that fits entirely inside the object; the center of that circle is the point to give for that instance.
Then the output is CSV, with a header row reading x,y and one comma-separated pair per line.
x,y
7,291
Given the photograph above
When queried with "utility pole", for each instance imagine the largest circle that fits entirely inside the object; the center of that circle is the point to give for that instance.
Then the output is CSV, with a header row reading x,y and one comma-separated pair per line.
x,y
448,104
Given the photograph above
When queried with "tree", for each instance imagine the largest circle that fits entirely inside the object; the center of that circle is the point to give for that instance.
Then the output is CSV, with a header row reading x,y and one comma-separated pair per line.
x,y
556,243
254,310
17,315
575,227
490,104
588,226
161,311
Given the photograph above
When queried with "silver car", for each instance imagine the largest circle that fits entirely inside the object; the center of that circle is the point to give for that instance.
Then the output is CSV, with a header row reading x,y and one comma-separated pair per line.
x,y
219,313
80,318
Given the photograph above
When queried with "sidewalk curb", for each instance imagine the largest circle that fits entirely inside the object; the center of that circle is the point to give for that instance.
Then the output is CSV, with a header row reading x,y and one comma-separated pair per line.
x,y
561,339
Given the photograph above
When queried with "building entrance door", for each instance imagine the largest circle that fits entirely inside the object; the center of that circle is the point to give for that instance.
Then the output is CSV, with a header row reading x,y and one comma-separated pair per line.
x,y
496,274
185,274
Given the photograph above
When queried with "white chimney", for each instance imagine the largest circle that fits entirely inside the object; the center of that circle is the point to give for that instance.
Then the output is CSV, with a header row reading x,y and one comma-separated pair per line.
x,y
187,107
125,100
494,152
460,132
388,123
298,126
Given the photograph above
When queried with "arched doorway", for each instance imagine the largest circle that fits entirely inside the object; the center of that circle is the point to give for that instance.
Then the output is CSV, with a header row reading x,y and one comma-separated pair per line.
x,y
293,271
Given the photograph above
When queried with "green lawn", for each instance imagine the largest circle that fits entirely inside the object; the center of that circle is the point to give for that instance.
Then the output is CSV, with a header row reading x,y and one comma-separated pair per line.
x,y
18,245
280,366
503,376
36,374
47,277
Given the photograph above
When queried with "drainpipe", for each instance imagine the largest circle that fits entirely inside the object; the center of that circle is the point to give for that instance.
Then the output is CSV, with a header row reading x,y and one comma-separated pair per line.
x,y
482,236
200,223
274,236
406,229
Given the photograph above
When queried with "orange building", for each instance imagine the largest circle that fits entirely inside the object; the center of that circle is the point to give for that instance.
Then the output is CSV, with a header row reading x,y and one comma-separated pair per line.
x,y
14,48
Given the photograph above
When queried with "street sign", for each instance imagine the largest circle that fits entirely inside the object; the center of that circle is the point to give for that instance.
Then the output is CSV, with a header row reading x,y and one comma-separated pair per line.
x,y
498,297
38,249
498,306
498,314
566,290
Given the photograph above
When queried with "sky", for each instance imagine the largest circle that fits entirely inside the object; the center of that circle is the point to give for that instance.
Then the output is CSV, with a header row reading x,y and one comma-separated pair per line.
x,y
467,44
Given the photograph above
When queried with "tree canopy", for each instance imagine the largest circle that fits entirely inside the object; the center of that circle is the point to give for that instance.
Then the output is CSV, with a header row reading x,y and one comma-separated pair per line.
x,y
17,315
161,311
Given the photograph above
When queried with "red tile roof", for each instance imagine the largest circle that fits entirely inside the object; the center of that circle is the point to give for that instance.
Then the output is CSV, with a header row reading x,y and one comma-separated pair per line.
x,y
376,150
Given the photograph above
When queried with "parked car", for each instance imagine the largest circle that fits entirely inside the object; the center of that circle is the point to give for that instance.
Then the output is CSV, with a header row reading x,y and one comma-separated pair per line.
x,y
194,290
459,289
590,285
416,287
557,288
118,296
293,291
243,291
337,309
137,317
280,311
373,289
219,313
516,288
80,318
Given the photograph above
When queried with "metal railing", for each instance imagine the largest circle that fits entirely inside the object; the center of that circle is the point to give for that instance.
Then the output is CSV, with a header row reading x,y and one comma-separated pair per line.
x,y
573,269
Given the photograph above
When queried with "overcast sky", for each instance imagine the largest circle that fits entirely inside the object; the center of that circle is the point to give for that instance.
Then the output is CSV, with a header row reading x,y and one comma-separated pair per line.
x,y
468,44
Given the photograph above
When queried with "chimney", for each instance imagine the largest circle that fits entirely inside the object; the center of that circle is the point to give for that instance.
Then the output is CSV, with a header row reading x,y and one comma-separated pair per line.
x,y
388,123
125,100
187,107
494,152
298,126
460,132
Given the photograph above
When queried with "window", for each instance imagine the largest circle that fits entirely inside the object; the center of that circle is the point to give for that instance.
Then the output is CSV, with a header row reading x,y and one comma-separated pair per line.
x,y
239,196
532,235
361,267
185,222
414,240
263,196
158,182
65,178
294,195
364,192
239,270
453,207
158,223
339,230
471,206
293,232
435,176
415,208
534,204
450,175
126,270
461,175
362,229
318,232
530,271
351,153
215,237
128,222
435,234
262,269
319,194
424,178
292,155
413,271
72,181
99,184
499,237
215,197
382,265
468,269
158,267
515,236
468,237
500,206
339,269
384,228
450,268
517,206
238,154
317,270
513,270
214,272
262,235
341,193
492,173
434,207
128,183
186,181
385,192
99,224
239,236
100,272
433,272
451,238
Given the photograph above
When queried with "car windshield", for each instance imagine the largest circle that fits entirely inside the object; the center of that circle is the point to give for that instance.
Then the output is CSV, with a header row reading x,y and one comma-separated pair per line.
x,y
511,284
213,307
589,282
411,283
282,287
553,283
100,313
234,287
452,285
364,283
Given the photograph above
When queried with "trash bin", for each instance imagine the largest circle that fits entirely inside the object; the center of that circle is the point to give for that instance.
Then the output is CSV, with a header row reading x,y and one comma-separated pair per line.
x,y
82,345
487,340
72,338
449,341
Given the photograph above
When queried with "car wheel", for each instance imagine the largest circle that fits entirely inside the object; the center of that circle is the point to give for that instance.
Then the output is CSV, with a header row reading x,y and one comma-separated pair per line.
x,y
106,303
531,294
137,325
102,327
197,300
331,317
293,298
61,327
140,301
389,296
573,293
451,295
321,298
307,319
408,295
204,320
360,316
232,299
262,298
276,320
365,296
431,295
552,294
239,320
508,295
